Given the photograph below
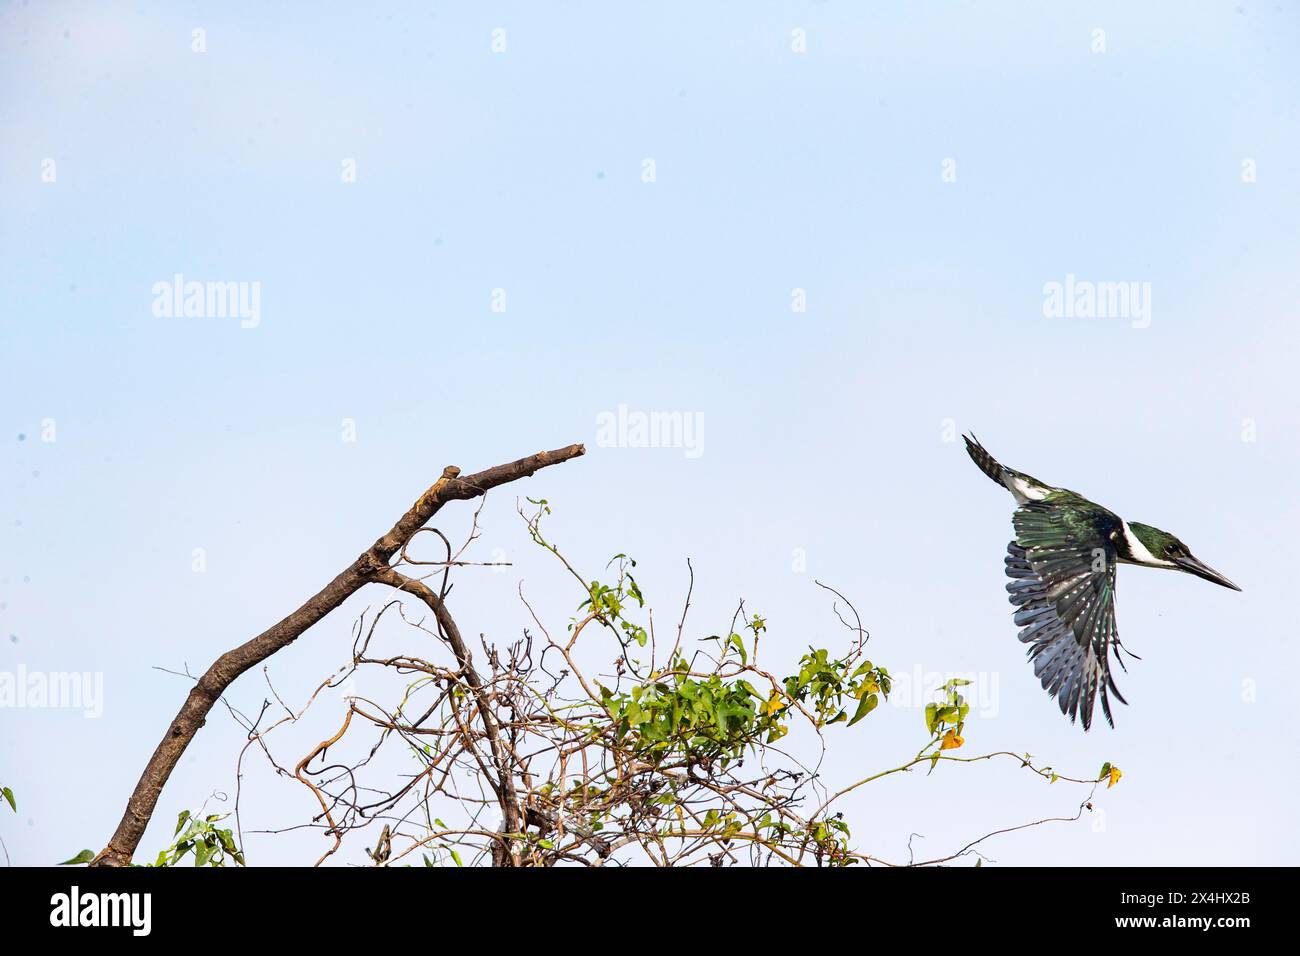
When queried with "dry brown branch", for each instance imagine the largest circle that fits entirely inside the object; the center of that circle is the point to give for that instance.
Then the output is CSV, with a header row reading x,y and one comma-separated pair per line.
x,y
368,568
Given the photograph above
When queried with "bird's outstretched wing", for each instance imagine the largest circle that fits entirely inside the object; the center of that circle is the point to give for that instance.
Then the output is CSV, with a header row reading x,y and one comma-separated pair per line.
x,y
1062,570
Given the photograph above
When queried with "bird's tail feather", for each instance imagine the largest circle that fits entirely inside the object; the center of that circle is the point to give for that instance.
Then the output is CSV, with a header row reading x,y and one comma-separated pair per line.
x,y
986,462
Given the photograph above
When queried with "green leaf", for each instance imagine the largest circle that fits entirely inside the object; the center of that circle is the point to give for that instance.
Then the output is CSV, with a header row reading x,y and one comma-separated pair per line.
x,y
865,706
85,856
9,795
227,841
740,646
180,821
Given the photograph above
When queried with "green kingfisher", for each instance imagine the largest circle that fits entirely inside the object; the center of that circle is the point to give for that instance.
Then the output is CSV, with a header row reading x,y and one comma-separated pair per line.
x,y
1062,569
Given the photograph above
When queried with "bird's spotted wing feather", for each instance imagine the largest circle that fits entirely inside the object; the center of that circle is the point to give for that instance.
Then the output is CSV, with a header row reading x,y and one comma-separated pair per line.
x,y
1062,570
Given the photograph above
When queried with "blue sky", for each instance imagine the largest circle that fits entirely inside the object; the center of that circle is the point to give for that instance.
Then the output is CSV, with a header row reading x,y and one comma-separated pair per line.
x,y
1171,157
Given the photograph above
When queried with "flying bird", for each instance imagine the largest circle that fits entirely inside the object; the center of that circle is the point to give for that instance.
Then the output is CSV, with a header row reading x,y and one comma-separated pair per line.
x,y
1062,568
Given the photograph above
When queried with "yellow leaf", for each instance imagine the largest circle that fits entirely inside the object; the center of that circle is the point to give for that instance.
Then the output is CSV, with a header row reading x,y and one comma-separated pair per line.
x,y
1113,777
951,741
773,703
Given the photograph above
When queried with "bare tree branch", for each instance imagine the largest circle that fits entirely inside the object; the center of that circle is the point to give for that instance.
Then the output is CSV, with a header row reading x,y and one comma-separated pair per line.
x,y
368,568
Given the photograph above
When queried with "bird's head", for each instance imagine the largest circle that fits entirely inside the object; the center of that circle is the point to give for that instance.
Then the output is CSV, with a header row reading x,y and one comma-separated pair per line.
x,y
1166,551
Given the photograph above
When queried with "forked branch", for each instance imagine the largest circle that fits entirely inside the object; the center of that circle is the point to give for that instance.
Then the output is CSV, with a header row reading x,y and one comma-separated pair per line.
x,y
372,566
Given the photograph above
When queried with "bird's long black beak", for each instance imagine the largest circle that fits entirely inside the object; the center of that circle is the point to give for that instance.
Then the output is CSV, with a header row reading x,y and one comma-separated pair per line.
x,y
1202,570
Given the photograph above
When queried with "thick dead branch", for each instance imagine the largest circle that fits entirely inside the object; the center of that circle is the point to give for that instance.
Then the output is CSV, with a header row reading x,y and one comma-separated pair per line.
x,y
372,566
